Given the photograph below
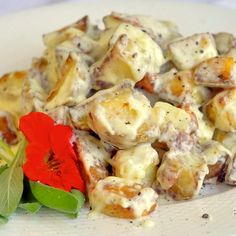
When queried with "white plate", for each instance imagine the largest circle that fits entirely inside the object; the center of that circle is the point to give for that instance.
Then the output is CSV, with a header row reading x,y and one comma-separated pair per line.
x,y
20,40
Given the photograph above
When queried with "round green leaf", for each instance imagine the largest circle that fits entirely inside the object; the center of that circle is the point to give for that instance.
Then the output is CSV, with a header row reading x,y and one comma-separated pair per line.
x,y
57,199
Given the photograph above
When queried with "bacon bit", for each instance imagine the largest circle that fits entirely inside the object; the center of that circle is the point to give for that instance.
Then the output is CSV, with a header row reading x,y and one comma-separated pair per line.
x,y
146,83
7,133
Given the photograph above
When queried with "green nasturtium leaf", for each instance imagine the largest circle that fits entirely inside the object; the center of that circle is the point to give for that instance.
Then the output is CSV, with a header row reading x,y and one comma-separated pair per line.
x,y
6,153
62,201
2,167
11,183
3,220
30,207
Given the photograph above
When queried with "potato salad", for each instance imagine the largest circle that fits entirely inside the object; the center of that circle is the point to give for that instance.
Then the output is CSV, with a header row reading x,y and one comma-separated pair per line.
x,y
147,111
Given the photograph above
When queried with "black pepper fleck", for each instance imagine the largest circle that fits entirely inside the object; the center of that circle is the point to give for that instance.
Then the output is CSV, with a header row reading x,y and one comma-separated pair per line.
x,y
196,42
205,216
201,51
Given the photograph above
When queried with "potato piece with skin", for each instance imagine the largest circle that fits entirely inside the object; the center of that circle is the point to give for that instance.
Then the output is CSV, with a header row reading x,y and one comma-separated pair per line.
x,y
227,139
132,55
181,174
56,57
138,163
34,91
162,32
60,115
188,52
216,156
8,132
123,118
220,110
176,126
232,53
176,87
230,176
217,72
166,113
93,159
82,26
205,129
73,86
122,198
11,86
224,42
161,148
79,113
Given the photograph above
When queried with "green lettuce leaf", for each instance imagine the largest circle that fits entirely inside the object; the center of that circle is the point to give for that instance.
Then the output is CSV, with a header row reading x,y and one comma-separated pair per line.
x,y
11,187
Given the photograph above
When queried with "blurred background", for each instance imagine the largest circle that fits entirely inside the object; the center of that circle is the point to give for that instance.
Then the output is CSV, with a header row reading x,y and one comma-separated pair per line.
x,y
10,6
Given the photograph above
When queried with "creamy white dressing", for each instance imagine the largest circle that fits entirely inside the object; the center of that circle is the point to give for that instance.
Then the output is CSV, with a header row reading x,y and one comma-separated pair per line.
x,y
121,116
186,53
100,198
132,50
147,223
138,164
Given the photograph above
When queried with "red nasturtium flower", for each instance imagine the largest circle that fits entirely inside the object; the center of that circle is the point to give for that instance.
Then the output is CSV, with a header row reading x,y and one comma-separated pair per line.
x,y
50,157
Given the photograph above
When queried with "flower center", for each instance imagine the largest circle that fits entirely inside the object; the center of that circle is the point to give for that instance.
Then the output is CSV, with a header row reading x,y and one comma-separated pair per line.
x,y
53,163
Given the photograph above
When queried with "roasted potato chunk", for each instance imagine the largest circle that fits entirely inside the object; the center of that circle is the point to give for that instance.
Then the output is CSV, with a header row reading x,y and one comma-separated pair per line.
x,y
176,87
188,52
82,26
217,72
93,158
122,198
138,163
36,86
124,118
224,42
8,130
132,55
227,139
162,32
230,177
79,113
60,115
11,86
74,85
176,126
181,174
220,110
232,53
205,129
216,156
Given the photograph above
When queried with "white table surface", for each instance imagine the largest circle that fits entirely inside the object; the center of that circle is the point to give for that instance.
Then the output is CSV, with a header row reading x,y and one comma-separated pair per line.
x,y
10,6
